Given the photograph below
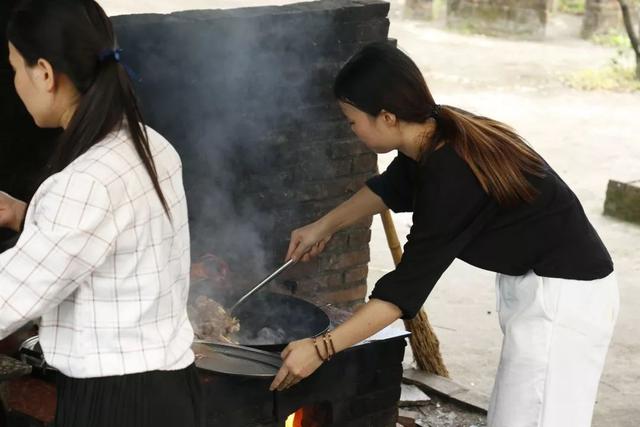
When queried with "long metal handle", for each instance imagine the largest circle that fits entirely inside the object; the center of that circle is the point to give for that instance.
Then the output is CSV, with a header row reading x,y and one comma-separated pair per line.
x,y
262,284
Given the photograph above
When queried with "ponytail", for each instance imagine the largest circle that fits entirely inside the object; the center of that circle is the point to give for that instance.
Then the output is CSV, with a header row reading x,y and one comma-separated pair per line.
x,y
499,158
381,77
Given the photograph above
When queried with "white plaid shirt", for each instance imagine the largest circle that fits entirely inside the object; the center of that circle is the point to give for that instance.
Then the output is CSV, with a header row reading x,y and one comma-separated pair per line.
x,y
103,266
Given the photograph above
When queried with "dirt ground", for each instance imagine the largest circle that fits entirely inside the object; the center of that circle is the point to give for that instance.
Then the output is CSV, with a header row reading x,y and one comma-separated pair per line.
x,y
440,412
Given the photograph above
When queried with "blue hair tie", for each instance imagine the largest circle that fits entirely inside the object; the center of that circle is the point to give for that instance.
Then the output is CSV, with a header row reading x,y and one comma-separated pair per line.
x,y
116,55
109,54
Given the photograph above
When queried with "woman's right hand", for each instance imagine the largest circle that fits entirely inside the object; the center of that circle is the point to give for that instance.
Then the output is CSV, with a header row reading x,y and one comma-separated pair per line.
x,y
308,242
12,211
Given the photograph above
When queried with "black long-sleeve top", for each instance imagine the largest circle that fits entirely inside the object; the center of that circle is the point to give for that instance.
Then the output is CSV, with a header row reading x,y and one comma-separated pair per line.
x,y
453,217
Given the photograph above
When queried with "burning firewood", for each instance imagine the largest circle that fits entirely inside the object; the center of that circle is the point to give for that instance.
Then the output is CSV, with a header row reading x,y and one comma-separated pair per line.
x,y
211,321
212,269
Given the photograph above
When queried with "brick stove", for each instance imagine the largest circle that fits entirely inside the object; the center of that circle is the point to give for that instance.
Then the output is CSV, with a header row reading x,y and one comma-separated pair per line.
x,y
359,387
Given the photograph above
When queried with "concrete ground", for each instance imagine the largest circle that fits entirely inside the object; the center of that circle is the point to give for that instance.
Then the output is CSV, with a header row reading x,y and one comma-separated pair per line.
x,y
588,137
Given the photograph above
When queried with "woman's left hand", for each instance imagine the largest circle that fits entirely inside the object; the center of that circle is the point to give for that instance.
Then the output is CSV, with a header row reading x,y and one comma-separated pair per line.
x,y
300,360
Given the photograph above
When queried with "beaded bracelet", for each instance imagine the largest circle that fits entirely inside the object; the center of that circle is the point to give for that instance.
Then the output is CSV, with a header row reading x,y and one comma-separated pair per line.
x,y
315,345
329,347
333,349
326,347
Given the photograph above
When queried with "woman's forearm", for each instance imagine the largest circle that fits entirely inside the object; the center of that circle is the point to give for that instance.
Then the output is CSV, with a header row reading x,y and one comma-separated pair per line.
x,y
21,211
361,205
371,318
12,212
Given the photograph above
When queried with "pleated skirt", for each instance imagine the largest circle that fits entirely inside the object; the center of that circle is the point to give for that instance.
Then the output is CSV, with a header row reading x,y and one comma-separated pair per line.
x,y
148,399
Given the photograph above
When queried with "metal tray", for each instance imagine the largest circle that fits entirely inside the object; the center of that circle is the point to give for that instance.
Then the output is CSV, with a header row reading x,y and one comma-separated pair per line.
x,y
220,358
236,360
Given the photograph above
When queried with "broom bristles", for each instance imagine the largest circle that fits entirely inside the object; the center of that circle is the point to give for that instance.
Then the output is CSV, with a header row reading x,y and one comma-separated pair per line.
x,y
425,345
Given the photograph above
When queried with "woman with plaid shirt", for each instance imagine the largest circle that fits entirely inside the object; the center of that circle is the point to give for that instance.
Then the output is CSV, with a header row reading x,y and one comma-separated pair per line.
x,y
103,256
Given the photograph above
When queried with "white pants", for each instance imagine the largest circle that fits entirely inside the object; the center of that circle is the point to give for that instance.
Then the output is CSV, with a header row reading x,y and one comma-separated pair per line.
x,y
556,336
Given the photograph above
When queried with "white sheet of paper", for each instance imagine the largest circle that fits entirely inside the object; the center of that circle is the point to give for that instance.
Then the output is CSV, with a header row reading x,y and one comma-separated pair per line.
x,y
387,333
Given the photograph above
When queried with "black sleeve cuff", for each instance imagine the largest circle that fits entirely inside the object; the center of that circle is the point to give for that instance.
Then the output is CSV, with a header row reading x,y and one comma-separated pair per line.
x,y
409,305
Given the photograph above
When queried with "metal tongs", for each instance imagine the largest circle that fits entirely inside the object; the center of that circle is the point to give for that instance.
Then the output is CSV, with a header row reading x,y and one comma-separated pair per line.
x,y
262,284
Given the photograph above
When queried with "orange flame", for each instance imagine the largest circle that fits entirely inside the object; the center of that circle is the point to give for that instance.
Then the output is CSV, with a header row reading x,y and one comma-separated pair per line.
x,y
295,419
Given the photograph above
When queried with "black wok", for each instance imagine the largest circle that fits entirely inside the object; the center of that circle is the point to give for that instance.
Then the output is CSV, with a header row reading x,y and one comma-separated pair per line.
x,y
269,321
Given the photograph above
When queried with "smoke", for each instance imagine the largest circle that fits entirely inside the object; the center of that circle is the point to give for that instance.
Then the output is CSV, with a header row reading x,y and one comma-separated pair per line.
x,y
239,94
269,335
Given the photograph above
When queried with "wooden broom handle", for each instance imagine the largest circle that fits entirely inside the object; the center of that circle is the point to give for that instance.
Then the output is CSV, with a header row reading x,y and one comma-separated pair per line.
x,y
392,236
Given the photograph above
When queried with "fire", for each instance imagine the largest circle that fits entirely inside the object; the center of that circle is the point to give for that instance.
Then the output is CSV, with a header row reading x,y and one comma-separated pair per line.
x,y
295,419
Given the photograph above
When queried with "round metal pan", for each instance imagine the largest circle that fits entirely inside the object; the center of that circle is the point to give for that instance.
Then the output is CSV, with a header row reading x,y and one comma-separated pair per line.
x,y
236,360
269,321
220,358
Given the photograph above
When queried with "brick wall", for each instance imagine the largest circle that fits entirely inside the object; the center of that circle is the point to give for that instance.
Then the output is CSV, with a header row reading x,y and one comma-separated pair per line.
x,y
520,18
245,96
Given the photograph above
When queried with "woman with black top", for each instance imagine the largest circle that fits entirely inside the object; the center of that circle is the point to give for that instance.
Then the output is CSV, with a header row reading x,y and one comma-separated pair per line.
x,y
103,257
479,193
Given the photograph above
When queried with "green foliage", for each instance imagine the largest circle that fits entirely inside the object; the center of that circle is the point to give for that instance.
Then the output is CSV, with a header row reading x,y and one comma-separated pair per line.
x,y
613,38
618,76
575,7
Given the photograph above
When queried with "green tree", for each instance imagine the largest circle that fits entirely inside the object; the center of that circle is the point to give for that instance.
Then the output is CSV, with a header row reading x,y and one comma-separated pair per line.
x,y
631,30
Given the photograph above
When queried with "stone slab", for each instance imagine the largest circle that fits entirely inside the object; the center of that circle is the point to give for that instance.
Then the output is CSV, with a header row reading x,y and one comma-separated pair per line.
x,y
623,201
447,388
411,395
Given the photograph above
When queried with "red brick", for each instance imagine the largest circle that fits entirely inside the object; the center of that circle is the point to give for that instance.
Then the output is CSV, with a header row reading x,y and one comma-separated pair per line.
x,y
359,237
320,283
356,274
338,243
341,261
348,295
333,188
363,223
302,269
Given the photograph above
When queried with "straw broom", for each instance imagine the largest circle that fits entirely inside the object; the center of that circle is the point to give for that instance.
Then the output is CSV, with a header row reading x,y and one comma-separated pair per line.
x,y
424,342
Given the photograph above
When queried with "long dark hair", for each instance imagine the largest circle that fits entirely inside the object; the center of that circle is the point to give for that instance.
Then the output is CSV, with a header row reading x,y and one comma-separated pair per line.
x,y
381,77
77,38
